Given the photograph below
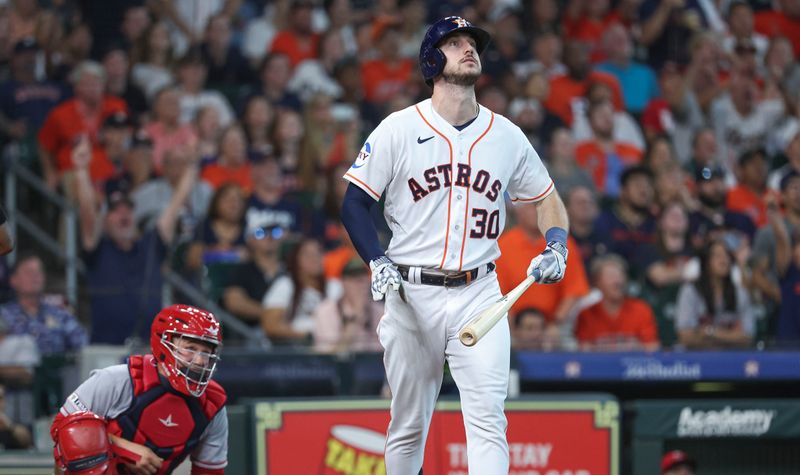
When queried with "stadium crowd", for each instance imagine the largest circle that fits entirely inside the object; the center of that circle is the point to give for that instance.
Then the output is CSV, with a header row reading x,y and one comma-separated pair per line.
x,y
208,138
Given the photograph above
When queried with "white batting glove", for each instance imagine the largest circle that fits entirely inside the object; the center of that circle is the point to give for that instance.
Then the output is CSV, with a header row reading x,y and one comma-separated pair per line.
x,y
551,264
384,275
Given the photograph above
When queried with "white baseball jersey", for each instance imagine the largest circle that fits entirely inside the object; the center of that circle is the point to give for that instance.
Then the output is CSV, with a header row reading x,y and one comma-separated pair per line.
x,y
444,187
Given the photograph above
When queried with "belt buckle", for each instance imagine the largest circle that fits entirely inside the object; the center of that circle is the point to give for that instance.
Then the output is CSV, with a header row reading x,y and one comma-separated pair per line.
x,y
452,280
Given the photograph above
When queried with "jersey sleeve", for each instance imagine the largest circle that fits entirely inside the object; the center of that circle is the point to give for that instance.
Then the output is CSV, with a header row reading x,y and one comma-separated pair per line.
x,y
212,451
108,393
372,169
531,181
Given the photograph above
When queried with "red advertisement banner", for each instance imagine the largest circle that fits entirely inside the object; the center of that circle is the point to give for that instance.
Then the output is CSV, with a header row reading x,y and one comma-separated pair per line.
x,y
348,438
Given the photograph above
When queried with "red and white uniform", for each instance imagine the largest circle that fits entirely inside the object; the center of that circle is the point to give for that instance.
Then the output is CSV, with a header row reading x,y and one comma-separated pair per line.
x,y
134,399
445,204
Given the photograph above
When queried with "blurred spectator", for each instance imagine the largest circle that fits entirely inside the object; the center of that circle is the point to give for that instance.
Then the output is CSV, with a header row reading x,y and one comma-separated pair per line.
x,y
75,119
413,16
192,73
349,323
704,152
714,312
55,329
677,462
107,20
123,266
675,112
781,70
292,299
208,130
153,58
668,25
117,67
546,59
711,216
27,19
152,198
664,265
70,51
554,301
603,156
637,81
494,98
257,120
790,142
267,205
227,67
787,268
12,435
135,22
274,76
315,75
19,357
741,121
331,137
532,332
587,21
221,235
542,15
672,185
617,322
748,196
259,32
783,21
629,223
564,171
385,75
740,28
165,129
298,40
248,286
137,166
764,260
288,131
232,164
341,18
188,18
625,127
529,113
566,90
581,203
115,138
26,101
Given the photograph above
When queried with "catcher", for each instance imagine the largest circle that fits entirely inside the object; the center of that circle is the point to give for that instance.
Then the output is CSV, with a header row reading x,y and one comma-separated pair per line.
x,y
145,417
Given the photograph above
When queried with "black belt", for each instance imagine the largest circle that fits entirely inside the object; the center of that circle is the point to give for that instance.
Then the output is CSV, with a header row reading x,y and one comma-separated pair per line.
x,y
437,277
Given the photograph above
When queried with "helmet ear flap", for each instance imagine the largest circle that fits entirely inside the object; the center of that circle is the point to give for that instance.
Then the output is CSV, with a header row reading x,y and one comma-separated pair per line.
x,y
433,63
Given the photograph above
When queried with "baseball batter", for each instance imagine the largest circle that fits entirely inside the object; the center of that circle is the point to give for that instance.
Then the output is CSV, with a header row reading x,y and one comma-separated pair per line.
x,y
444,167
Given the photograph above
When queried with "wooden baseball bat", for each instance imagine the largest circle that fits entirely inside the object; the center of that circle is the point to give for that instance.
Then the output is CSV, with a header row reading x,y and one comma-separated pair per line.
x,y
487,319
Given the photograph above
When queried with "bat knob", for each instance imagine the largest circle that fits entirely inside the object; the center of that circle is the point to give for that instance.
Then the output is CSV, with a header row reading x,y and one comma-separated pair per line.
x,y
467,338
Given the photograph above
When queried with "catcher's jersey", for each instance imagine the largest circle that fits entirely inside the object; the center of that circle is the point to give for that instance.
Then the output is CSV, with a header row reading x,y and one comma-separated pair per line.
x,y
444,187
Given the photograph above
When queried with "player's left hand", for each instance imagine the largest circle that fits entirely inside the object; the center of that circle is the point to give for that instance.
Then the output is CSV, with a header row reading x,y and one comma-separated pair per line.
x,y
552,263
384,275
149,464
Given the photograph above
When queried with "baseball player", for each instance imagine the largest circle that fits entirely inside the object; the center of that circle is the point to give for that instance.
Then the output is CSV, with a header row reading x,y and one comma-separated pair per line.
x,y
444,167
148,415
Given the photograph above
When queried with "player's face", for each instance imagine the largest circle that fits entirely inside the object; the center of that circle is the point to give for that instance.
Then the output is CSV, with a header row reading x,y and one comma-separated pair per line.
x,y
193,354
463,66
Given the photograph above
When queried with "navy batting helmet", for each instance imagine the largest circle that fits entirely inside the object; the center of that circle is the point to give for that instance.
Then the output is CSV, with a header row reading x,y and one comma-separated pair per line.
x,y
431,58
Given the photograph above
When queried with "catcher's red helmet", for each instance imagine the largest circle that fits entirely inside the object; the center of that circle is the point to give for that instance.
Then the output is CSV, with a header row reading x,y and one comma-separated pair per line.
x,y
82,446
188,371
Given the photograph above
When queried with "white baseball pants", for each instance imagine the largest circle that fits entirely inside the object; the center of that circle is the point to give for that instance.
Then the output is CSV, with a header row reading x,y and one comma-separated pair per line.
x,y
417,337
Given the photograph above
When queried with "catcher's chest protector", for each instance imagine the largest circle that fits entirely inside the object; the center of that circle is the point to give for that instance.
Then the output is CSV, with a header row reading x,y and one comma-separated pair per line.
x,y
164,420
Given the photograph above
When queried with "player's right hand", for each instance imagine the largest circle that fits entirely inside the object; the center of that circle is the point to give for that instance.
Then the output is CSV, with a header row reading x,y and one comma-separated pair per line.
x,y
384,275
149,464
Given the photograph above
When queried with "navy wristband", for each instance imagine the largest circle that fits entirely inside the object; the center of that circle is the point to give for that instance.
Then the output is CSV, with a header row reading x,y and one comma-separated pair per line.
x,y
556,234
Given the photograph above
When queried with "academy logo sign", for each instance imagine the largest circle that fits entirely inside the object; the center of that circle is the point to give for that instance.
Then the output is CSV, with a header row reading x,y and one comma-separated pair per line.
x,y
725,422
